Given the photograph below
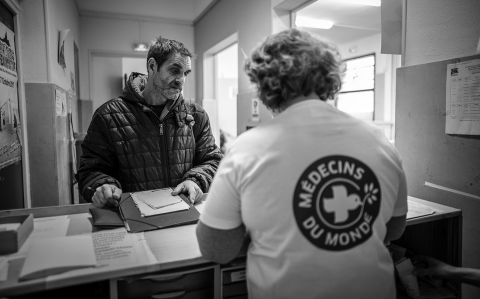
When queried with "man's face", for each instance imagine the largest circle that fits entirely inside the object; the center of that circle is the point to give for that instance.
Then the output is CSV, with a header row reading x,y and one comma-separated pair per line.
x,y
168,81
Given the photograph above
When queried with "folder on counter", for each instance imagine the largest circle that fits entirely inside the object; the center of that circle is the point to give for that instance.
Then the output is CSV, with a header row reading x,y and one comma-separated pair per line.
x,y
134,222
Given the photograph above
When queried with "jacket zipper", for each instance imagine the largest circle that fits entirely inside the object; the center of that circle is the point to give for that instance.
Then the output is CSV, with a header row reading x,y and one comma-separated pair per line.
x,y
166,167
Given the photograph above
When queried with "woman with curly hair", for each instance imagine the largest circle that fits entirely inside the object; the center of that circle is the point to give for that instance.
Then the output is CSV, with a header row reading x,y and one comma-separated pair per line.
x,y
316,190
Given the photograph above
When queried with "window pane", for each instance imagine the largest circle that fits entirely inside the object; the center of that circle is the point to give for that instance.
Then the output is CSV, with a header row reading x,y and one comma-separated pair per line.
x,y
359,74
360,62
359,104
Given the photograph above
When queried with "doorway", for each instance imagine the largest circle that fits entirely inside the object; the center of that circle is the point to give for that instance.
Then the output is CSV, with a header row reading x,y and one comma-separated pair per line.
x,y
226,90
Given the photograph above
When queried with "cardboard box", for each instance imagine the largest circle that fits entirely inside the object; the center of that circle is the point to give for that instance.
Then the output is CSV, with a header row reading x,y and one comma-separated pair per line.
x,y
12,240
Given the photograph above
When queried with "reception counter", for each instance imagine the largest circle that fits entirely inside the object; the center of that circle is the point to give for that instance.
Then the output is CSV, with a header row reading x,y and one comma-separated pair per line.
x,y
181,272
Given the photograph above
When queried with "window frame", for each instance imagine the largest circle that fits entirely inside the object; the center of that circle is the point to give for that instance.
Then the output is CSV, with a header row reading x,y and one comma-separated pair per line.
x,y
363,90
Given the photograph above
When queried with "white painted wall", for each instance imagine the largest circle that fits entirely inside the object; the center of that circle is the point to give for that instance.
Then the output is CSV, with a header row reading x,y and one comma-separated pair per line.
x,y
34,50
441,29
107,79
62,15
171,9
40,40
118,36
251,19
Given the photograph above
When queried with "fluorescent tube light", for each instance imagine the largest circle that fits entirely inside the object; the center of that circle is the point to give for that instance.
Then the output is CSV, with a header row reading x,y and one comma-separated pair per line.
x,y
313,23
363,2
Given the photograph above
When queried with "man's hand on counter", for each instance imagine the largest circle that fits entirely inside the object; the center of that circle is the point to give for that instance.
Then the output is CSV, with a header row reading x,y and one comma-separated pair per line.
x,y
107,196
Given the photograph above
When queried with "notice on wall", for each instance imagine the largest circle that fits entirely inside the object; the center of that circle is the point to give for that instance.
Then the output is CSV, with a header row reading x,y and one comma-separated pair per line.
x,y
60,102
255,109
10,143
463,98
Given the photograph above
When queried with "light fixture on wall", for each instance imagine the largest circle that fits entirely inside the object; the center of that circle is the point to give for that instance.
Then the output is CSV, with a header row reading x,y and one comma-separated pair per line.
x,y
140,47
313,23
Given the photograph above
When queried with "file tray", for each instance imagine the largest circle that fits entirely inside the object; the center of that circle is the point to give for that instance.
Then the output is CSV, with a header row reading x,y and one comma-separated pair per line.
x,y
12,240
135,223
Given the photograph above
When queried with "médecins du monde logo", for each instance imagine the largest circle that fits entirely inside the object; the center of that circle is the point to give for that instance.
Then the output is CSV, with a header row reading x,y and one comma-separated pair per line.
x,y
336,202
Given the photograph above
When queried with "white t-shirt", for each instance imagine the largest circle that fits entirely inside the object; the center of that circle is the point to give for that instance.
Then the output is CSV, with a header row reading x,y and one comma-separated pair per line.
x,y
315,189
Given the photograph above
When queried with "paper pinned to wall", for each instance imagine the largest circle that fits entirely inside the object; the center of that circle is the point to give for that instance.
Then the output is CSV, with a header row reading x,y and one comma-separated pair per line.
x,y
62,36
463,98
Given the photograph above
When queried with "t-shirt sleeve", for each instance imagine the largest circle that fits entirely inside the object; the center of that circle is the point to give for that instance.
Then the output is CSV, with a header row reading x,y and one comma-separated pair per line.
x,y
401,206
222,208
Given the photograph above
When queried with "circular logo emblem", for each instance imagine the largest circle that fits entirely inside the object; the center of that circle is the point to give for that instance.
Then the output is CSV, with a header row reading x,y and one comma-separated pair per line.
x,y
336,202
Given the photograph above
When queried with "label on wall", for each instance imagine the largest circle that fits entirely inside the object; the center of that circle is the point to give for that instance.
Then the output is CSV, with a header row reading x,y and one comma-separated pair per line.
x,y
60,102
255,109
10,142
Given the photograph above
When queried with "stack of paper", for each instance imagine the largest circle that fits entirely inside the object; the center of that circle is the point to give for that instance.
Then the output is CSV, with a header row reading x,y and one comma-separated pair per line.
x,y
157,199
156,202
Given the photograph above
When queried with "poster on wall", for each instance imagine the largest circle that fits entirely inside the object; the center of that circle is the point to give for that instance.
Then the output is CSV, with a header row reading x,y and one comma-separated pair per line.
x,y
10,142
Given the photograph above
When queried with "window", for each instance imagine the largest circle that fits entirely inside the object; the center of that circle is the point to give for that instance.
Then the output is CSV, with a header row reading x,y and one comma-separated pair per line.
x,y
357,96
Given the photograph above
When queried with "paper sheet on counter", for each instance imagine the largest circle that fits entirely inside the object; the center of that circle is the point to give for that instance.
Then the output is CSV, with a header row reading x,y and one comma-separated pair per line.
x,y
418,210
114,249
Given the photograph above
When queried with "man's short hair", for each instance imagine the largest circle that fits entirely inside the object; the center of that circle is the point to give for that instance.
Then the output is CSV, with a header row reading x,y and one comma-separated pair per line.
x,y
162,48
294,63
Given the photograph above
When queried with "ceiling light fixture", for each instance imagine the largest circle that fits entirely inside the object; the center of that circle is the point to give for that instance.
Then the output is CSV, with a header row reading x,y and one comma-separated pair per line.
x,y
140,47
364,2
313,23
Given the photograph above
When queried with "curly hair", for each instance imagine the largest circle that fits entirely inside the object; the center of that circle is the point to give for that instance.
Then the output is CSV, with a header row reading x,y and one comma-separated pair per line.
x,y
294,63
162,48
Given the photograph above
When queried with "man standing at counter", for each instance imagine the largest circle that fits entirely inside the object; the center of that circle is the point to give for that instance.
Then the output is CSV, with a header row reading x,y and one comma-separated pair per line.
x,y
148,137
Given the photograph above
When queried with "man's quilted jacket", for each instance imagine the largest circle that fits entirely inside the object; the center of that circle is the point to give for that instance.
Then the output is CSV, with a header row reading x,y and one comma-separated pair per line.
x,y
129,146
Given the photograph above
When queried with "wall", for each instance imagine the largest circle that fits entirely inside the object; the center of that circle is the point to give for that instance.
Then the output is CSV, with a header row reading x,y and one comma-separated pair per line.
x,y
441,29
250,18
40,23
34,49
61,15
118,36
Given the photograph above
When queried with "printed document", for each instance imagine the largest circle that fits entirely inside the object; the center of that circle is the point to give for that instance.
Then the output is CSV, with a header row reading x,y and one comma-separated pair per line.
x,y
114,249
463,98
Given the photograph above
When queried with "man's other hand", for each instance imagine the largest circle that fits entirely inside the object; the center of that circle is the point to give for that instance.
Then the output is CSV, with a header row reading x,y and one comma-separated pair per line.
x,y
107,196
189,187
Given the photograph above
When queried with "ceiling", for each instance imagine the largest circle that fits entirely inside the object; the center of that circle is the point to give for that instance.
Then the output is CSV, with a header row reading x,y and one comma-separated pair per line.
x,y
186,11
351,21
